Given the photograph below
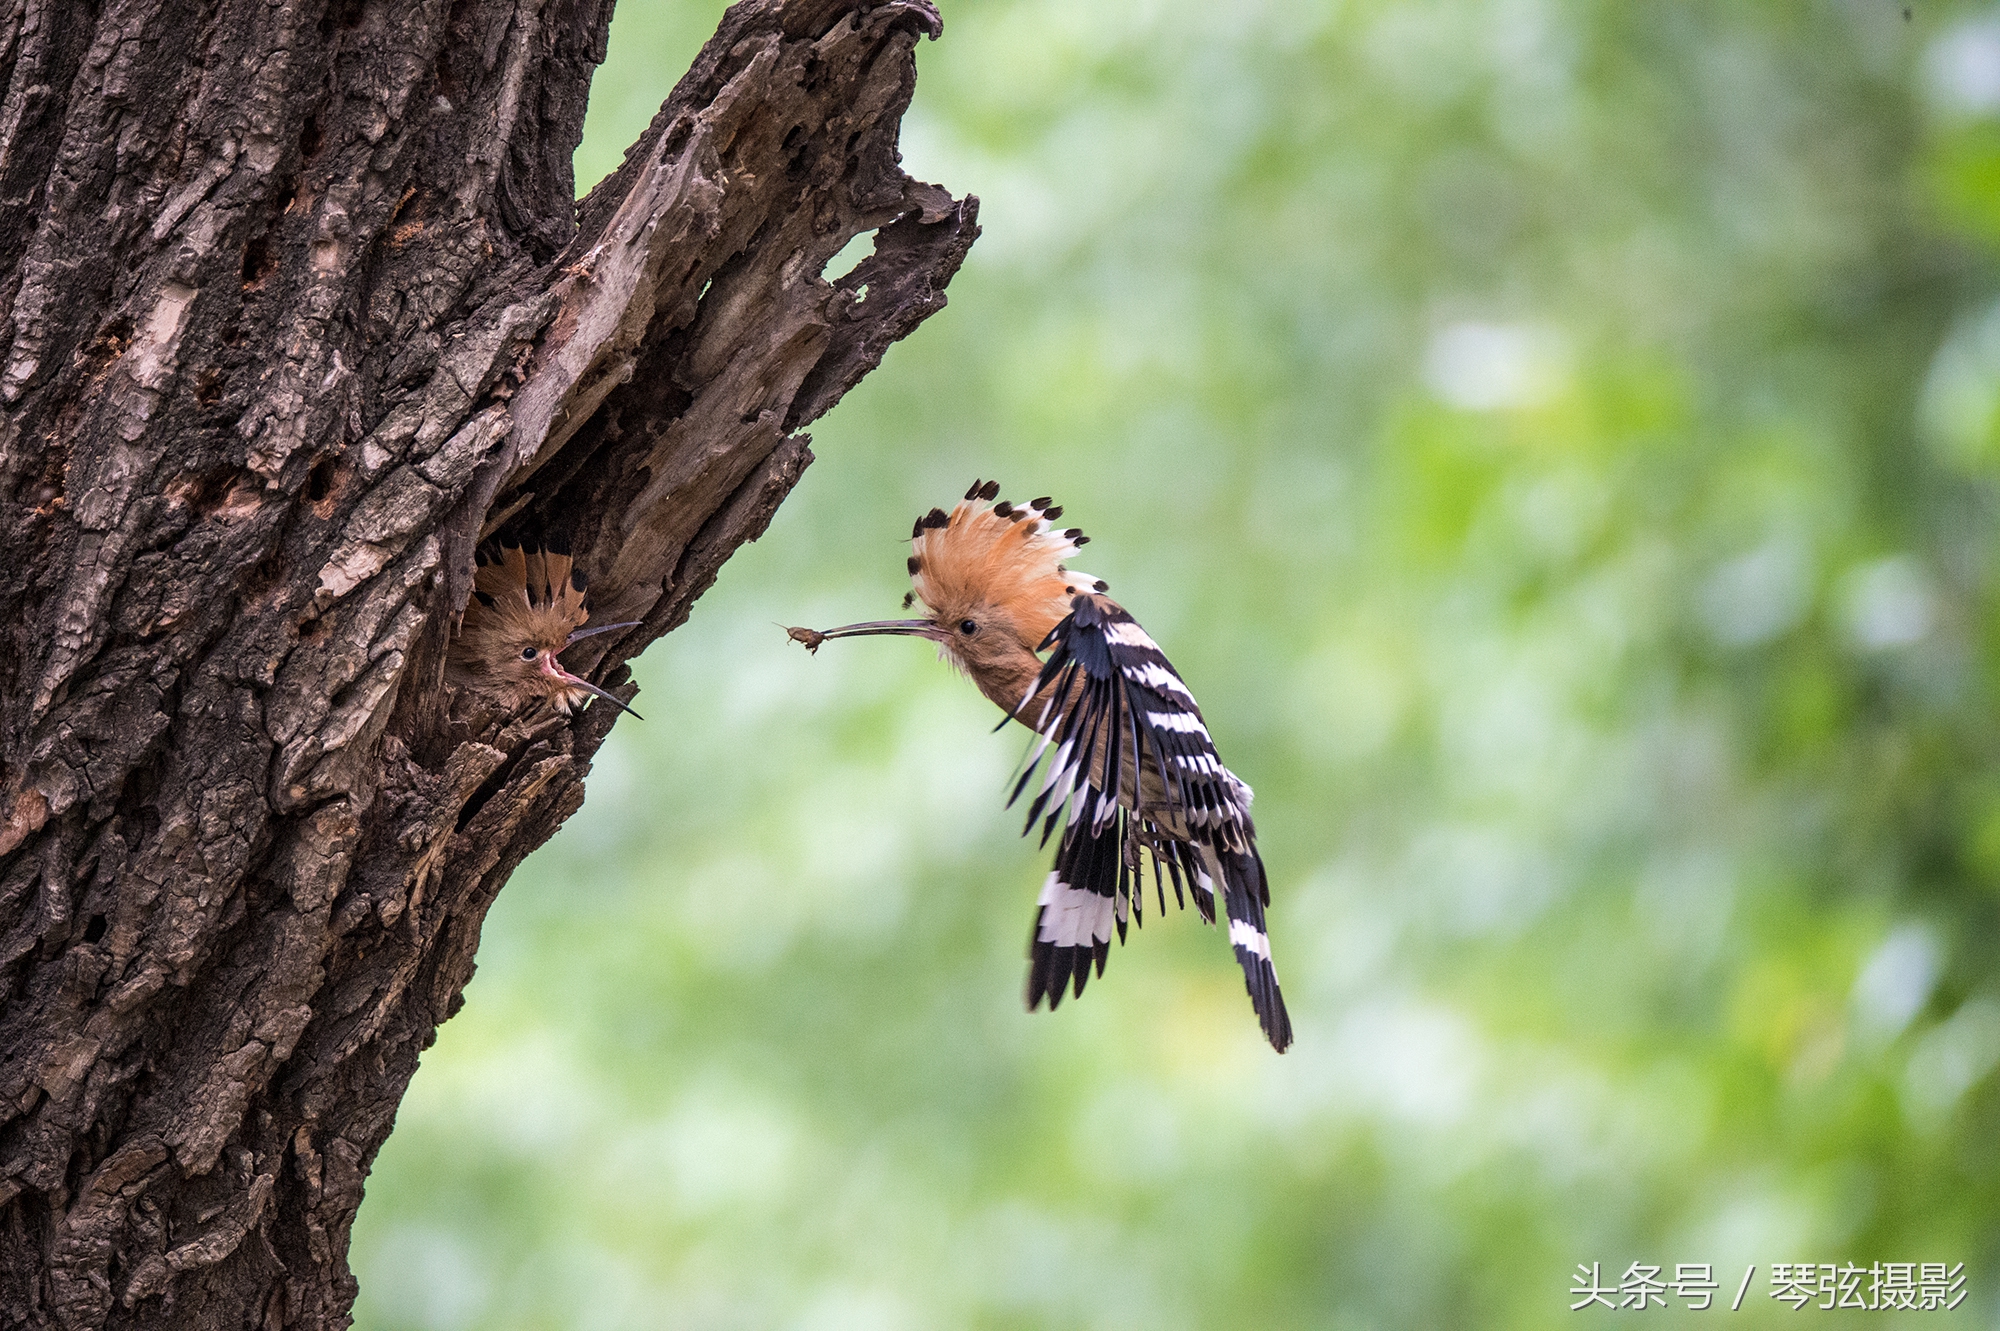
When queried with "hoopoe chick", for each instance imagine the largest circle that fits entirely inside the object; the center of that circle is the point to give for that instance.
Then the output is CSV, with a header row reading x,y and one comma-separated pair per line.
x,y
1133,766
526,606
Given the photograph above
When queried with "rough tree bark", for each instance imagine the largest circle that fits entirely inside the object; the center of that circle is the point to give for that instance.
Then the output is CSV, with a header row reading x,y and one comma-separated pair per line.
x,y
295,306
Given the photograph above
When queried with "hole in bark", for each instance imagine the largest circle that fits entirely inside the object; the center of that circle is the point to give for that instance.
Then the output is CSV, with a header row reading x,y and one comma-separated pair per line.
x,y
342,14
857,251
95,929
320,484
487,790
203,492
414,225
794,150
257,262
262,576
447,82
310,138
208,386
311,629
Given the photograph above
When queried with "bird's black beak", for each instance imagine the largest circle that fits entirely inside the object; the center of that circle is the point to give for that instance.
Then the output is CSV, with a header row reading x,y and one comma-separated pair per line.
x,y
581,634
610,698
555,670
914,628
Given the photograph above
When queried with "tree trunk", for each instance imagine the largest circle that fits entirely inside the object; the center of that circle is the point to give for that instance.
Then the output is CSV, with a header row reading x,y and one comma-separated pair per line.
x,y
295,307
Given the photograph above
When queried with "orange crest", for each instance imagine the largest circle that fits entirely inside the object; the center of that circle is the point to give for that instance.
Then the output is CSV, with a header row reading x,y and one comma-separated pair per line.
x,y
525,596
1006,556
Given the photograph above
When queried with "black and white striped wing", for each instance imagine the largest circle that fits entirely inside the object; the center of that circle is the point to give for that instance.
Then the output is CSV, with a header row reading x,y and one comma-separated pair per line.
x,y
1131,764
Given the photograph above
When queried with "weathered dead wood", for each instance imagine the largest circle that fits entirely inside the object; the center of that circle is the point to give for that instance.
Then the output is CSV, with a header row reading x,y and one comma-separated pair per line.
x,y
294,306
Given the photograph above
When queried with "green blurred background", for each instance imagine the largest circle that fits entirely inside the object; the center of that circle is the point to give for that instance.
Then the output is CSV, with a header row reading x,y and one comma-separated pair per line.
x,y
1559,442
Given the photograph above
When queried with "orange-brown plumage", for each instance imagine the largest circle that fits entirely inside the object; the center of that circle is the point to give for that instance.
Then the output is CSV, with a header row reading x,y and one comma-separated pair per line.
x,y
526,606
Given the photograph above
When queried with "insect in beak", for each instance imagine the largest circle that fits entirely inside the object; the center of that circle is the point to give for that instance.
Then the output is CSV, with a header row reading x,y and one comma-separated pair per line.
x,y
555,671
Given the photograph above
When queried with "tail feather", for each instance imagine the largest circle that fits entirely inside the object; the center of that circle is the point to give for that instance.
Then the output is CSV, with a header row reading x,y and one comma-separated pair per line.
x,y
1243,896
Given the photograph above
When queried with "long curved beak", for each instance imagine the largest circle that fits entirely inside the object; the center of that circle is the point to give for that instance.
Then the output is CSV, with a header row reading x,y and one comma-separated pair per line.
x,y
556,672
581,634
915,628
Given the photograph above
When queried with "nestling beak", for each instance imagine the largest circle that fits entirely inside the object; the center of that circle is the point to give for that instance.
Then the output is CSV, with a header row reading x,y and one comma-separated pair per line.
x,y
601,628
554,670
914,628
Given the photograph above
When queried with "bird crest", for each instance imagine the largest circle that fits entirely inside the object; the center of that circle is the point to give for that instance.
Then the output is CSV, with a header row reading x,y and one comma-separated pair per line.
x,y
533,595
1010,557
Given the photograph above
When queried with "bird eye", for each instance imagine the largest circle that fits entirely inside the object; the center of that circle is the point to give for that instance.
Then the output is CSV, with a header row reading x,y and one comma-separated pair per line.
x,y
529,653
968,627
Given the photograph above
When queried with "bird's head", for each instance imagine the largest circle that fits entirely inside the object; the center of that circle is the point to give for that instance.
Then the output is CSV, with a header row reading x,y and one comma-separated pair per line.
x,y
992,577
526,607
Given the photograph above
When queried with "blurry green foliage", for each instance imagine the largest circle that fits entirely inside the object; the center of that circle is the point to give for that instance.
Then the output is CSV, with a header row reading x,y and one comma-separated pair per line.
x,y
1558,442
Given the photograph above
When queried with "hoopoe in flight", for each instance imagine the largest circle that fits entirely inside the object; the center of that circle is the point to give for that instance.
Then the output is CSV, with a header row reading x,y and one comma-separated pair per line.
x,y
1133,765
526,606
